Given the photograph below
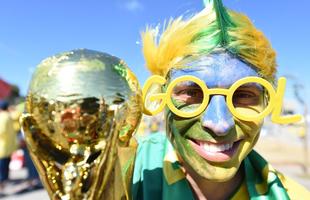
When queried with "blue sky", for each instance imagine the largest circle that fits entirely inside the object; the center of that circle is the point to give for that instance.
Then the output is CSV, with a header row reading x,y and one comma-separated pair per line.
x,y
35,29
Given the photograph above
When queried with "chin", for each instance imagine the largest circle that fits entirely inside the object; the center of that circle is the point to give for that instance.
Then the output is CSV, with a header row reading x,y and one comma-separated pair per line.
x,y
214,172
221,174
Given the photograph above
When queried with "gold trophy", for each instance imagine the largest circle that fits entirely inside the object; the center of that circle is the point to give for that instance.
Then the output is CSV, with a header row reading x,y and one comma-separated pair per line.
x,y
81,107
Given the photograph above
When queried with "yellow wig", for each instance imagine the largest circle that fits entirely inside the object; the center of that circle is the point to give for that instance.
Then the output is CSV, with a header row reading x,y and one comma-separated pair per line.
x,y
211,29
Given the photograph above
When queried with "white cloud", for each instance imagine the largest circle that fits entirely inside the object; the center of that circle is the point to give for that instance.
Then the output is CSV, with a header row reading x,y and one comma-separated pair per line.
x,y
133,5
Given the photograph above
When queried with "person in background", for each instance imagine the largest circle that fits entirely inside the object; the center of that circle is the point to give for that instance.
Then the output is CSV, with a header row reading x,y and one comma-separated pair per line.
x,y
8,142
32,179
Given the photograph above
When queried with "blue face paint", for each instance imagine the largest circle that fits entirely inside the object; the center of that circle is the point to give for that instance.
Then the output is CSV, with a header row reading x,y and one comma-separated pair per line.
x,y
217,117
217,71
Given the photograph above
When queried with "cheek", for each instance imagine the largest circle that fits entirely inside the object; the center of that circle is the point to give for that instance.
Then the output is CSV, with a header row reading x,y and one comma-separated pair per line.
x,y
255,127
180,124
176,129
186,153
249,128
250,110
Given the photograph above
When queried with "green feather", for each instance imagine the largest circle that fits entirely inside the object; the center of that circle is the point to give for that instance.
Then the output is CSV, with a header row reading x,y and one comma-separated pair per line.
x,y
223,19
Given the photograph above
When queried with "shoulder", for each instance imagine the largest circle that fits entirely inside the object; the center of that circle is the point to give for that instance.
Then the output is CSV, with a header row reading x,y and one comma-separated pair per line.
x,y
151,151
5,117
156,173
148,169
154,138
268,181
294,190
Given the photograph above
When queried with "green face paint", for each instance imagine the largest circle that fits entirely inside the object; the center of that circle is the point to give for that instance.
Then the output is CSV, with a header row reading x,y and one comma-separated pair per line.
x,y
181,132
214,143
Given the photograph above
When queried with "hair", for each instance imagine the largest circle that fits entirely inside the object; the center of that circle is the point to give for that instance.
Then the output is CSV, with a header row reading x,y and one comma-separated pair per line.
x,y
4,105
214,28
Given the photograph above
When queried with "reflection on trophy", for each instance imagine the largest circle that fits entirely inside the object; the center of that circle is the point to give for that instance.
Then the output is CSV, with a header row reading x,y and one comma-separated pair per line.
x,y
81,107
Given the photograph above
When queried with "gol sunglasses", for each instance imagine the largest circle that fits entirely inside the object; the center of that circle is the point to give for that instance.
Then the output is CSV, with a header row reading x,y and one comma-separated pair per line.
x,y
274,105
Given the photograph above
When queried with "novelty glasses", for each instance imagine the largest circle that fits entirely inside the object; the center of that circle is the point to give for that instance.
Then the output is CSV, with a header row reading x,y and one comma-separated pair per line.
x,y
249,99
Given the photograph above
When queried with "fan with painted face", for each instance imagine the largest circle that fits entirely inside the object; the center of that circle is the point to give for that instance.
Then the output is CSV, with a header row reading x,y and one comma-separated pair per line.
x,y
214,147
214,143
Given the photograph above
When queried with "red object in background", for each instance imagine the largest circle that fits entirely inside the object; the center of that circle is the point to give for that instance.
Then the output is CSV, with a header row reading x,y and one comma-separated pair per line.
x,y
5,89
17,160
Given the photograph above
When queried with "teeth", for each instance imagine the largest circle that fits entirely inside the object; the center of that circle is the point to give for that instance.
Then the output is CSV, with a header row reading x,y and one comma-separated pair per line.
x,y
216,147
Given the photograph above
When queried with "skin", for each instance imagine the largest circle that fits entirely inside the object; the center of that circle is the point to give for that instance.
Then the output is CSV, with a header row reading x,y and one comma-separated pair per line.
x,y
211,171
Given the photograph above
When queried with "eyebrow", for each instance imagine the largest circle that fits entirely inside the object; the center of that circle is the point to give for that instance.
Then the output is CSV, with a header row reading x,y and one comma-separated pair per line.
x,y
187,69
250,85
187,83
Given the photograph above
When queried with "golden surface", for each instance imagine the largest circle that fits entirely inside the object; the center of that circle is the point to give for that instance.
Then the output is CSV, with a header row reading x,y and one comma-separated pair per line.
x,y
80,106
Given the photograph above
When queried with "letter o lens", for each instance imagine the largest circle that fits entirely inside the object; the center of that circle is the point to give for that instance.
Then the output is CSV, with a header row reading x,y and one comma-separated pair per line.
x,y
202,106
260,115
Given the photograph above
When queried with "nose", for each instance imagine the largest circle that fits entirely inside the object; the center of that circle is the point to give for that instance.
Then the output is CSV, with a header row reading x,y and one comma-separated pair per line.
x,y
217,116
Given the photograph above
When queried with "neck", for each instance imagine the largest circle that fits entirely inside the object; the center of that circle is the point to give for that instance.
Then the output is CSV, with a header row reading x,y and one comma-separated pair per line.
x,y
210,190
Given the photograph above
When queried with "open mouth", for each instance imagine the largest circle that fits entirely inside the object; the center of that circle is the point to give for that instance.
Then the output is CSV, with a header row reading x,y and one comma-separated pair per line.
x,y
215,152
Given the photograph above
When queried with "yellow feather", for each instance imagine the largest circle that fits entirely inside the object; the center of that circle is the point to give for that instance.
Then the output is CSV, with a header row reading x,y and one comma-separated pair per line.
x,y
162,52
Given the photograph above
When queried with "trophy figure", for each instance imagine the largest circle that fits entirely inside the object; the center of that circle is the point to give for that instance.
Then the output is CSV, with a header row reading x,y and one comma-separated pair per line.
x,y
81,106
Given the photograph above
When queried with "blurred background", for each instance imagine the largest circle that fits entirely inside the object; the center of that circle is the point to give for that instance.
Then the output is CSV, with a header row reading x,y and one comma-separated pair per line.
x,y
34,29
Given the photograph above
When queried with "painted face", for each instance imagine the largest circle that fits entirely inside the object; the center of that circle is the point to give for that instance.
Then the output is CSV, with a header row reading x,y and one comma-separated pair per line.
x,y
214,143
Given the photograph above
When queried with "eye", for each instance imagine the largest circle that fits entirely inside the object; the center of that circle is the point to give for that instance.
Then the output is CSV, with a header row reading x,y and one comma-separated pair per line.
x,y
191,92
246,97
190,95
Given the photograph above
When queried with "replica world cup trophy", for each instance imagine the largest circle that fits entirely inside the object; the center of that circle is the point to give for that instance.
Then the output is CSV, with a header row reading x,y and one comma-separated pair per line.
x,y
81,106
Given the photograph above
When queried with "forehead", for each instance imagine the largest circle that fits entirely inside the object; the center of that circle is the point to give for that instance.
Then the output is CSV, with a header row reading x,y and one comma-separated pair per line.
x,y
216,70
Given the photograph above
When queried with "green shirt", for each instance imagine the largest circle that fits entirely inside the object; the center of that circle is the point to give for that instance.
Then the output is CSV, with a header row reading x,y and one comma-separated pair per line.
x,y
157,175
